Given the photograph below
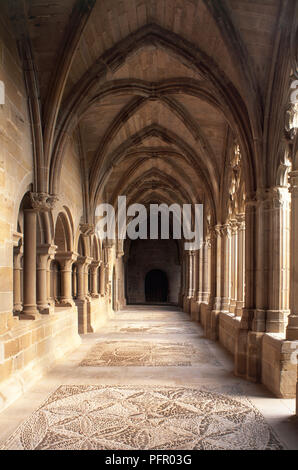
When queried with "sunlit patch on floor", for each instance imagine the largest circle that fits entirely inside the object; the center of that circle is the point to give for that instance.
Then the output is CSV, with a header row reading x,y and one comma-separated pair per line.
x,y
128,417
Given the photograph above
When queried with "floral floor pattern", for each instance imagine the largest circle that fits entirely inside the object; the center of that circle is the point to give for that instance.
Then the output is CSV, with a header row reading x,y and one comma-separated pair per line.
x,y
143,353
135,418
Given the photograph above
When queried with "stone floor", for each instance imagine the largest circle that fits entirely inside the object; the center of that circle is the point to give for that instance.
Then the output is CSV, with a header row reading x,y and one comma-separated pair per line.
x,y
148,380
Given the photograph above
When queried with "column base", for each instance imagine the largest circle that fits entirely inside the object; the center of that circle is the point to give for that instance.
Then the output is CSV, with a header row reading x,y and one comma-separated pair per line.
x,y
276,321
65,303
213,327
95,296
239,308
232,307
259,321
186,304
29,314
195,310
254,356
46,309
292,329
84,319
240,365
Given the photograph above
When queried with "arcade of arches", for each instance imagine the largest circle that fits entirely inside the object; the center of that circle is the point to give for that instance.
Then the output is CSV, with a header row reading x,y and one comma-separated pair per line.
x,y
163,101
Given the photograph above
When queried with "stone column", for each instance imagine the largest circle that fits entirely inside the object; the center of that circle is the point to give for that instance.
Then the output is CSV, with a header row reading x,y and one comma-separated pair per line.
x,y
82,300
81,278
292,328
218,262
226,271
120,280
212,266
44,254
242,340
204,273
262,260
87,264
94,271
74,282
190,279
200,275
29,271
212,329
66,260
17,268
240,264
278,299
234,262
102,279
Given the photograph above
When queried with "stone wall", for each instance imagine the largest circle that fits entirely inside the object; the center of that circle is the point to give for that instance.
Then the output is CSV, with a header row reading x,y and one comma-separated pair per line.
x,y
16,162
32,347
146,255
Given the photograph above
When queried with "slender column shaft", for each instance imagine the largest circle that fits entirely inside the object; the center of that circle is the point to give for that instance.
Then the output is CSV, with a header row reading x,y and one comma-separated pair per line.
x,y
234,261
292,329
190,273
102,279
66,260
212,250
205,272
226,269
17,268
74,282
29,278
94,284
81,281
218,268
240,264
278,299
42,291
200,274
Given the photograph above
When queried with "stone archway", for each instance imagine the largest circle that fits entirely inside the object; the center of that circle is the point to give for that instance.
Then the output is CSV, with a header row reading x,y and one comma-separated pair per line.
x,y
156,286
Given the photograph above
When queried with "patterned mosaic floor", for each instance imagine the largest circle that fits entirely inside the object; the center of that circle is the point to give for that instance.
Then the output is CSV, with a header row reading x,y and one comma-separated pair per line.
x,y
158,329
127,417
142,353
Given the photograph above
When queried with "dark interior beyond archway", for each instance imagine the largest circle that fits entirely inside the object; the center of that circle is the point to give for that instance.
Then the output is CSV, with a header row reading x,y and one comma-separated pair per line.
x,y
156,286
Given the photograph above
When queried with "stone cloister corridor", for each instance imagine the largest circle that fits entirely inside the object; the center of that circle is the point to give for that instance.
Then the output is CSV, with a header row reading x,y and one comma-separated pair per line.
x,y
149,381
149,223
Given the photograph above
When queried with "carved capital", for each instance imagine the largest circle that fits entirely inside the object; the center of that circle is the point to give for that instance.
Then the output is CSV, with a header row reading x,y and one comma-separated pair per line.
x,y
293,178
233,226
274,197
251,200
226,230
240,220
43,201
66,259
87,229
45,253
218,231
84,261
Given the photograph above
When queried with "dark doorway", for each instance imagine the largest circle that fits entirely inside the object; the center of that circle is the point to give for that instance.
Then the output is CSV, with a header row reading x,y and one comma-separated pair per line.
x,y
156,286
